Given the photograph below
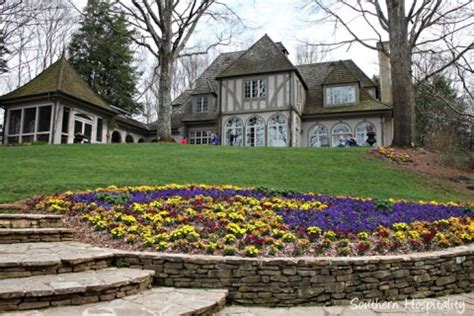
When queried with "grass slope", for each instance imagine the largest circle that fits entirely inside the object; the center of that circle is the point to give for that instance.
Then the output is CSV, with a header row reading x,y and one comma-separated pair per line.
x,y
27,171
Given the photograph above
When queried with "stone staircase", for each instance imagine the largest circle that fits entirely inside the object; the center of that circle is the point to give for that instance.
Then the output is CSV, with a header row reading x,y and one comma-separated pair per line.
x,y
42,269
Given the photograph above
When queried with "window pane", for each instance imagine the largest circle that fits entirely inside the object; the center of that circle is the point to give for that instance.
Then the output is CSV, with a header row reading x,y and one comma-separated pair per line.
x,y
262,88
64,139
29,120
88,131
27,139
15,119
340,95
77,127
42,138
254,88
13,140
247,89
44,119
100,124
318,137
66,113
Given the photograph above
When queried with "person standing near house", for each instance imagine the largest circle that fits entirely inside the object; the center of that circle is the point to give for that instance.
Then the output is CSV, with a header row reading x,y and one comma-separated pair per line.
x,y
215,139
231,139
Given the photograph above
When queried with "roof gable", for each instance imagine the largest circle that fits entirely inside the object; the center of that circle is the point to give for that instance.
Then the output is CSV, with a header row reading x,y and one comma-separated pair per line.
x,y
339,74
262,57
59,77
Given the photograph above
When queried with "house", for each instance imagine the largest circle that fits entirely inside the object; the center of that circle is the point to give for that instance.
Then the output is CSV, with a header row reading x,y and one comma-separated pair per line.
x,y
57,105
255,97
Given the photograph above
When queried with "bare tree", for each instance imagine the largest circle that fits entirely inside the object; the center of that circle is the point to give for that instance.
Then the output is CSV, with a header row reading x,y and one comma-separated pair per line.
x,y
186,70
35,33
418,28
307,53
166,27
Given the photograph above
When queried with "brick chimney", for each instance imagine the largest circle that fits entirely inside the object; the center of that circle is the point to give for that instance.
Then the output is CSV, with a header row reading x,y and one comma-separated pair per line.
x,y
384,73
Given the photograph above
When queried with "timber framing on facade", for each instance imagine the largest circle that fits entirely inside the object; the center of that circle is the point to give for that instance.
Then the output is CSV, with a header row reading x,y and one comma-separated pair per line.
x,y
255,97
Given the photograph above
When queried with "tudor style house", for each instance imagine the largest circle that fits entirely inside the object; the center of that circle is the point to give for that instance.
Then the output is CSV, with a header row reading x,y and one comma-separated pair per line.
x,y
255,97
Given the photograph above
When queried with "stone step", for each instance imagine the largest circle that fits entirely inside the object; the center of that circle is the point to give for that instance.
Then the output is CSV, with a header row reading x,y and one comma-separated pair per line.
x,y
11,207
163,301
72,288
18,235
31,221
39,258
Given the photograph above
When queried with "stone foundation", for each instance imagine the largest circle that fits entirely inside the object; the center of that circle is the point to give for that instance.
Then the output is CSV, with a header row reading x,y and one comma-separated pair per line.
x,y
313,281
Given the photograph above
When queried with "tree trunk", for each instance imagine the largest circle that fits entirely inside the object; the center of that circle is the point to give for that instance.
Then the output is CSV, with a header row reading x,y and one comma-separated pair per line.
x,y
164,99
403,91
166,71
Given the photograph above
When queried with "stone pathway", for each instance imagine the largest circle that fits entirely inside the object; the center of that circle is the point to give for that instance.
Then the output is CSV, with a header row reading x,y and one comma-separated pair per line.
x,y
461,304
157,301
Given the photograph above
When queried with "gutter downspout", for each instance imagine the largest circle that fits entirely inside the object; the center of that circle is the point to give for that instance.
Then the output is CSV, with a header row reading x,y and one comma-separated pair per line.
x,y
382,128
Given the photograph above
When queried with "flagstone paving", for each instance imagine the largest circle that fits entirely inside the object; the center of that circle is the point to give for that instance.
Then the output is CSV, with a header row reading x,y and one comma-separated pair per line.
x,y
452,305
157,301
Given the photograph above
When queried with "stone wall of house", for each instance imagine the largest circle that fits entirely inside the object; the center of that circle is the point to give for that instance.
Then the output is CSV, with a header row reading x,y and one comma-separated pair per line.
x,y
315,281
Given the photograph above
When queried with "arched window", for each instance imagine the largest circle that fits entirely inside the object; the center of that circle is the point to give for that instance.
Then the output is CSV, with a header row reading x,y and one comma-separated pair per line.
x,y
129,139
361,132
255,132
340,133
234,132
116,137
318,136
278,131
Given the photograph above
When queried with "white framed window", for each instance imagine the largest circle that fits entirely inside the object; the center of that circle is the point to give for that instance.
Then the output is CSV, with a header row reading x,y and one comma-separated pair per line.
x,y
318,136
278,131
341,132
83,125
255,88
202,104
340,95
255,132
200,137
361,132
31,124
234,131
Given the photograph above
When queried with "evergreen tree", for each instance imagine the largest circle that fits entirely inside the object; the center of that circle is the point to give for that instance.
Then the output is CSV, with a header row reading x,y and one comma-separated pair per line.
x,y
100,52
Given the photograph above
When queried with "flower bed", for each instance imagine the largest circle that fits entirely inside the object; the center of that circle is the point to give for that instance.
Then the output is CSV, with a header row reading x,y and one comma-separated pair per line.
x,y
227,220
396,155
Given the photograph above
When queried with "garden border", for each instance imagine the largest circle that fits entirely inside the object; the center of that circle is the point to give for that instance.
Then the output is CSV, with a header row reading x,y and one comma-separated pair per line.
x,y
314,280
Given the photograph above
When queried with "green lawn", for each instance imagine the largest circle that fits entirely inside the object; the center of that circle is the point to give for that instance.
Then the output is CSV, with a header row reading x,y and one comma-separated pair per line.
x,y
32,170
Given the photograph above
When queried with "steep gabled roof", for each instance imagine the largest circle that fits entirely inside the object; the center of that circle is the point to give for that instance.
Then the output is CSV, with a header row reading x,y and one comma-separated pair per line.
x,y
206,83
262,57
339,74
59,77
345,71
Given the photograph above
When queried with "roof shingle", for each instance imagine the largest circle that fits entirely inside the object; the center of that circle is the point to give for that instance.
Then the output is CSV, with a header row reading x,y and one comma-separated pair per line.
x,y
262,57
59,77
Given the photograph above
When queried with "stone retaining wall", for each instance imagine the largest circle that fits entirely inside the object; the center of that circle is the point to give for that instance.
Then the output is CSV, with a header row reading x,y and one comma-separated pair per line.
x,y
30,221
10,236
314,281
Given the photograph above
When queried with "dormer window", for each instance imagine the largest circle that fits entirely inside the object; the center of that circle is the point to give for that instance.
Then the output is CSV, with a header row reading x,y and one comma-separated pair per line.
x,y
341,95
202,104
255,88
